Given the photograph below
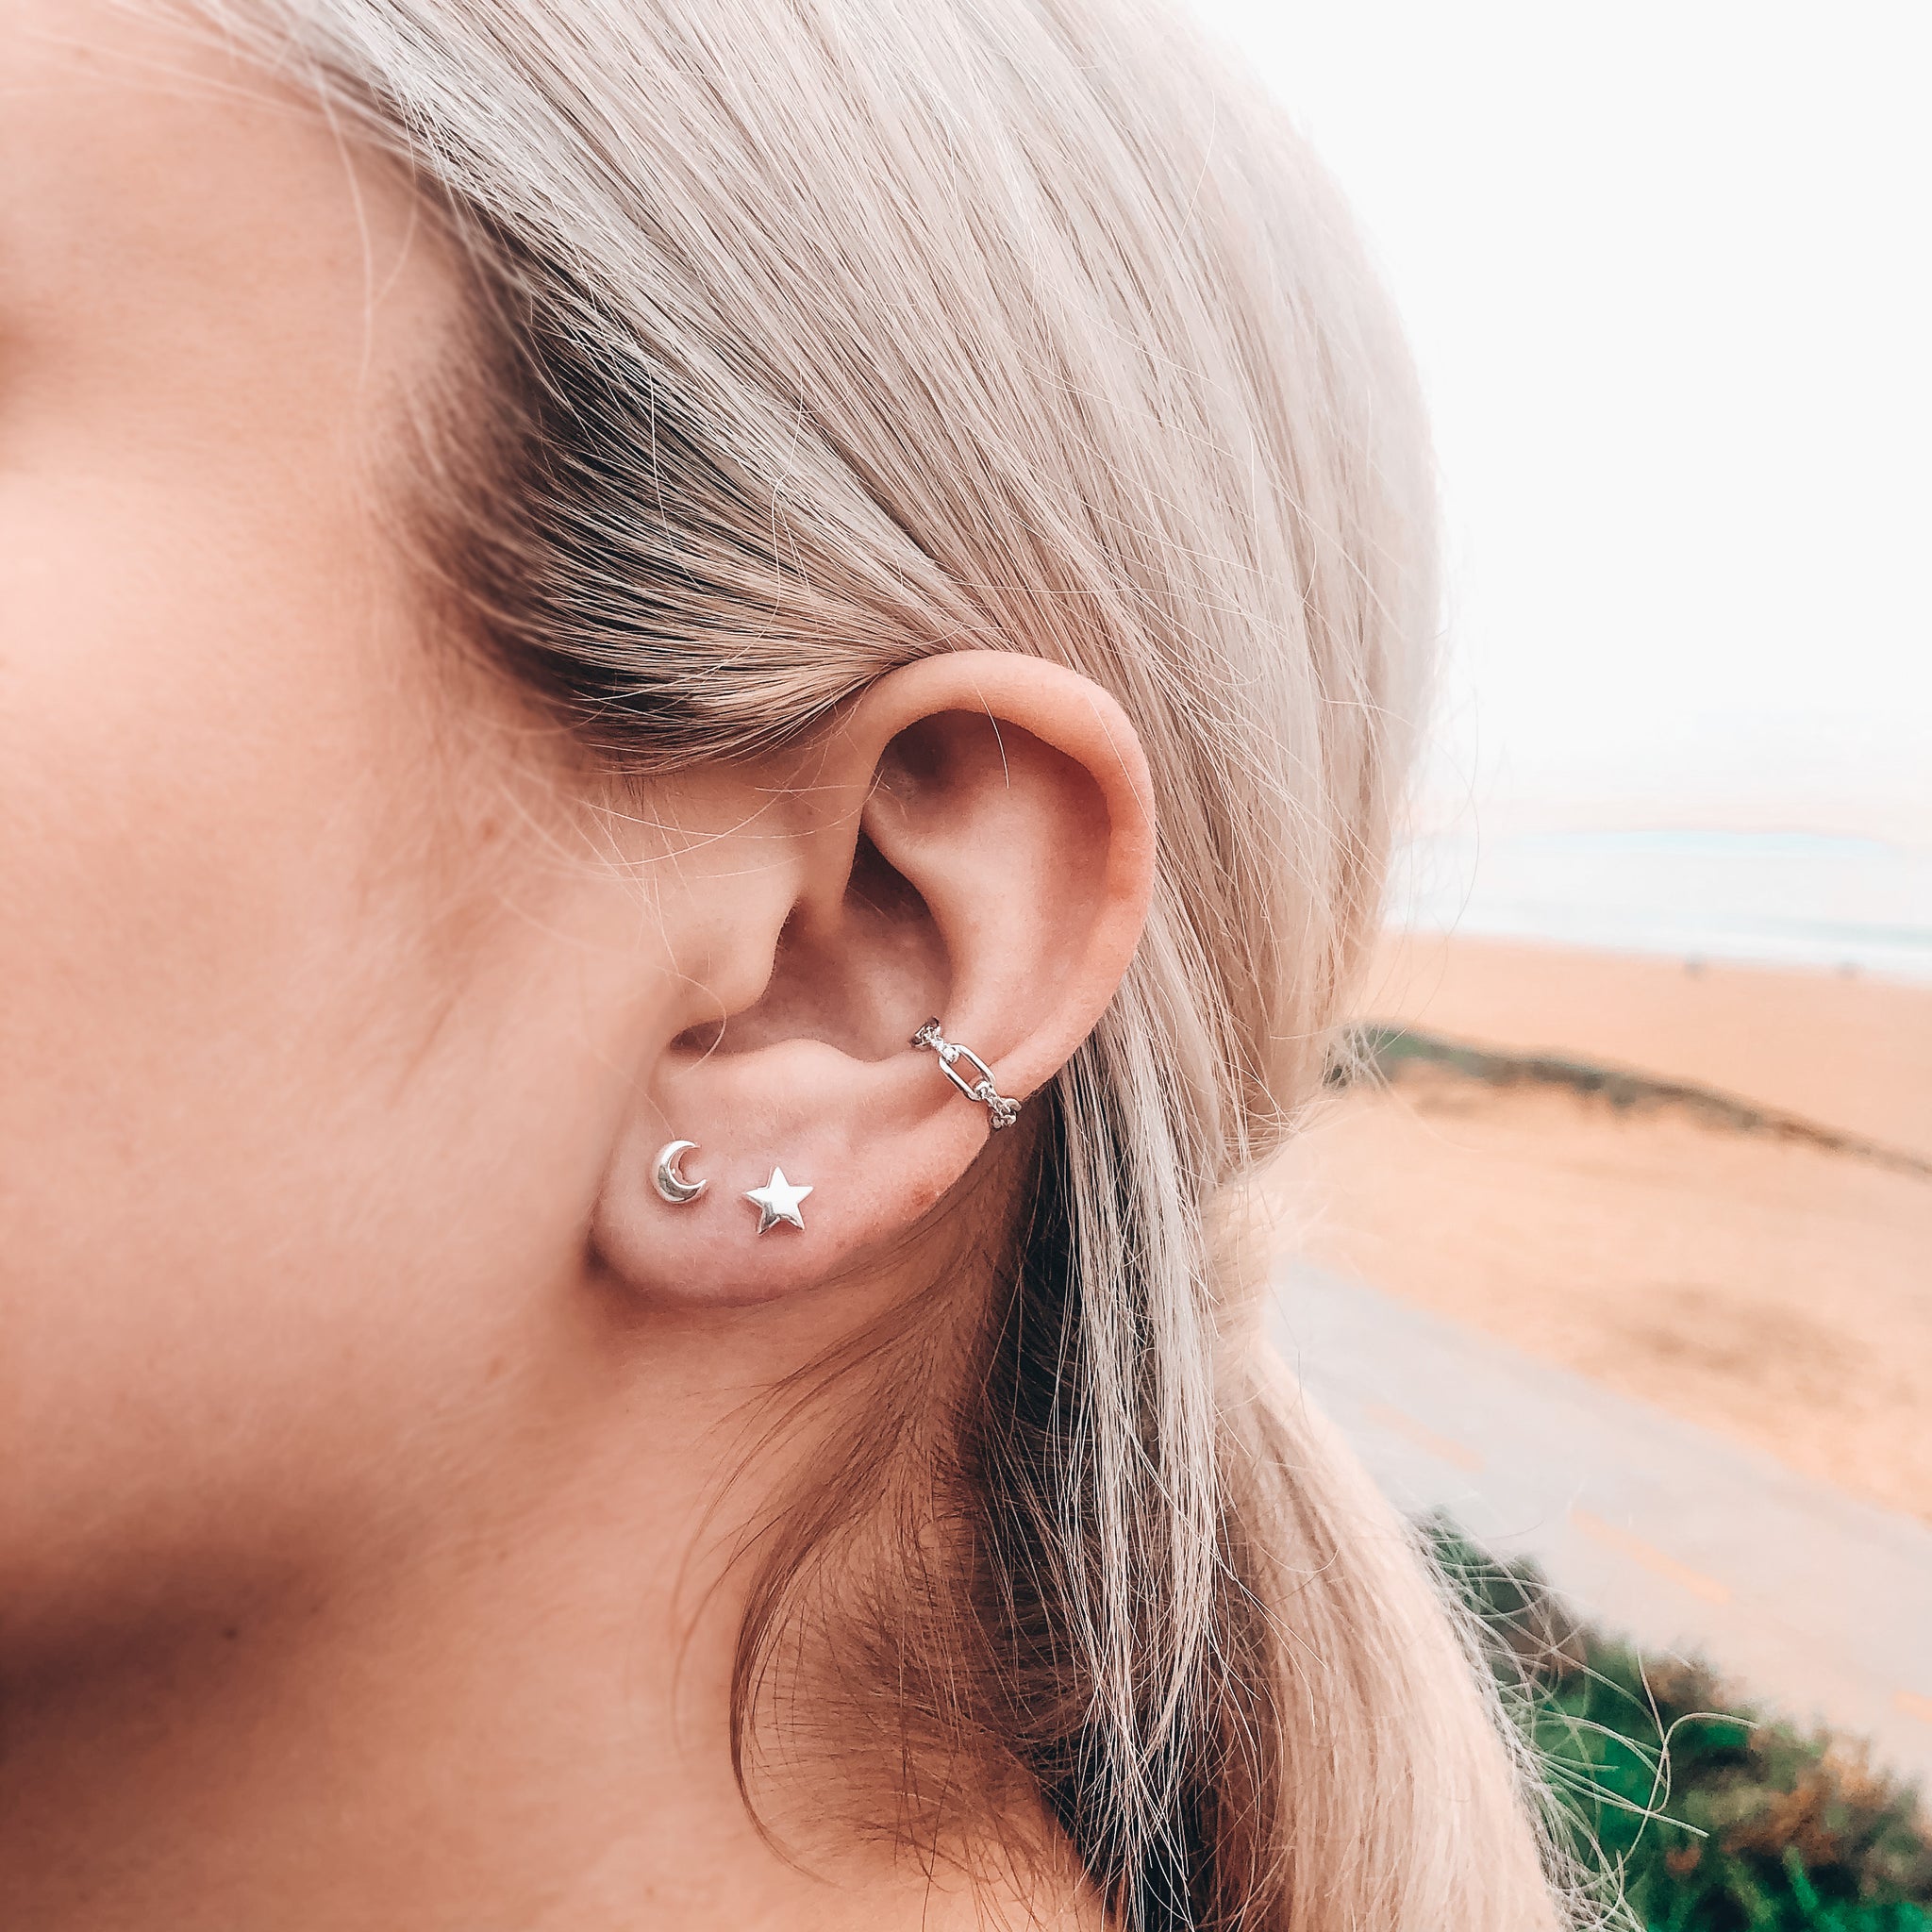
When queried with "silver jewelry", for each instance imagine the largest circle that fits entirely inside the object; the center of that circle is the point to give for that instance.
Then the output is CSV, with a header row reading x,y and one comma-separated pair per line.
x,y
1001,1112
776,1201
666,1178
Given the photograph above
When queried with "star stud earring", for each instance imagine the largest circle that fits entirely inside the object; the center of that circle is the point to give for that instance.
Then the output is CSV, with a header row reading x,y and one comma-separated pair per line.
x,y
776,1201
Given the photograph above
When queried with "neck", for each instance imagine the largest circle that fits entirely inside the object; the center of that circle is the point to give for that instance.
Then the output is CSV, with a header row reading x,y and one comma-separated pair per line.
x,y
509,1708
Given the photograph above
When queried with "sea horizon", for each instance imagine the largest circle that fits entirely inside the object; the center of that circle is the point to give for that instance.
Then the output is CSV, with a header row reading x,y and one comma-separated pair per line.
x,y
1824,902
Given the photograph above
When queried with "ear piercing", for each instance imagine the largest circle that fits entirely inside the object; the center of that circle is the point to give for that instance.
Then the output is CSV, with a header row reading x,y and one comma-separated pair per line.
x,y
779,1200
1001,1112
776,1201
666,1178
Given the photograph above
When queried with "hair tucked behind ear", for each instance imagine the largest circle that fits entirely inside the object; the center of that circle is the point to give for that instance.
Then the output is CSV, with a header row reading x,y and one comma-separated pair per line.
x,y
836,332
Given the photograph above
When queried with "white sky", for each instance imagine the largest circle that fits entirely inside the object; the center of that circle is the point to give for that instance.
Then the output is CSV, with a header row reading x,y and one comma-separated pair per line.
x,y
1665,265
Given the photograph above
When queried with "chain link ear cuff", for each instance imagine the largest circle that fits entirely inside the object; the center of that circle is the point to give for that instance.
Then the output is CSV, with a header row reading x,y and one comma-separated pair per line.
x,y
1001,1112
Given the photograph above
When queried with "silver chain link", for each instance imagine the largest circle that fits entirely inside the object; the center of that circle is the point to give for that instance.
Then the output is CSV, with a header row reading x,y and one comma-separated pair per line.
x,y
1000,1111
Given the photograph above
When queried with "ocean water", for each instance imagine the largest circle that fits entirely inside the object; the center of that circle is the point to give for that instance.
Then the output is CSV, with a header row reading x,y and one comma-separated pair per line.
x,y
1777,898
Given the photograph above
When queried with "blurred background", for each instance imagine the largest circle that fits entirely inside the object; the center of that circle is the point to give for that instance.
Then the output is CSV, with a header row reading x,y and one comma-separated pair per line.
x,y
1621,1247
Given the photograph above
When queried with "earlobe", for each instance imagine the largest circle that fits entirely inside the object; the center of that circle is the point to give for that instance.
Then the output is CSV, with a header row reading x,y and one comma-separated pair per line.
x,y
968,855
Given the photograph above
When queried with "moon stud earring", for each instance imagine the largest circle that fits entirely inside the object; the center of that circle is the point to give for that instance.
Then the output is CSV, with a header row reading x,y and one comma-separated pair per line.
x,y
776,1201
665,1178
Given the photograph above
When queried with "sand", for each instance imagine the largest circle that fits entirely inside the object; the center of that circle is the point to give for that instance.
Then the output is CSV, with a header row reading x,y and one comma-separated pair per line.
x,y
1850,1053
1773,1290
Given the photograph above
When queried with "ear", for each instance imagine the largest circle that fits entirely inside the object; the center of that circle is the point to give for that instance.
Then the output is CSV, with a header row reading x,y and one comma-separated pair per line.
x,y
972,841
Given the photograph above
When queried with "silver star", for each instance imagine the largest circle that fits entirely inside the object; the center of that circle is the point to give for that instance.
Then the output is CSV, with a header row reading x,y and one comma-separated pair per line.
x,y
776,1201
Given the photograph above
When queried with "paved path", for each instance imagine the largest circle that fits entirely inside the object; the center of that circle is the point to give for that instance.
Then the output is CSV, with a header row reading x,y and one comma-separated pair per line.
x,y
1662,1531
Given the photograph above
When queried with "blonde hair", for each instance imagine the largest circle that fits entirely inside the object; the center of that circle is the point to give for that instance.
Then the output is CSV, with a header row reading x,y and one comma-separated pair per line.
x,y
832,333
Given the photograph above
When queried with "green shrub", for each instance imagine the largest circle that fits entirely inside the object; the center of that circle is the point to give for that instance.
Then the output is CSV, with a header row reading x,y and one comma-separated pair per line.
x,y
1716,1819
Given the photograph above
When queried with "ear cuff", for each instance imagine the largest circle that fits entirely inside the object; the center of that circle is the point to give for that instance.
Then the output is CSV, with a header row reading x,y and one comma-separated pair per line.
x,y
1001,1112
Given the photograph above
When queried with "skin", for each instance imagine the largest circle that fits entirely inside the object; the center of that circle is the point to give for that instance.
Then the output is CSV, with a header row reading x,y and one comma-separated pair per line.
x,y
364,1415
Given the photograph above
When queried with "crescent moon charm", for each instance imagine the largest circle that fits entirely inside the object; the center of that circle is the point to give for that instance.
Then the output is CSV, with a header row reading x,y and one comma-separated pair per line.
x,y
666,1178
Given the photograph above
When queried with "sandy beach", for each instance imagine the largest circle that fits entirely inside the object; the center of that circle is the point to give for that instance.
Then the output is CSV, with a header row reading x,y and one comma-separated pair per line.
x,y
1775,1291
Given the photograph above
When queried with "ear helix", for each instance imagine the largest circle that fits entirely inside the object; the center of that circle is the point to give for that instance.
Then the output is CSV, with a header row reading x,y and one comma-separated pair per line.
x,y
779,1200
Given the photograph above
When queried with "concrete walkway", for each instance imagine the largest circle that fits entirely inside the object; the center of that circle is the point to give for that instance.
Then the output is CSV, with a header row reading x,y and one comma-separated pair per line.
x,y
1804,1598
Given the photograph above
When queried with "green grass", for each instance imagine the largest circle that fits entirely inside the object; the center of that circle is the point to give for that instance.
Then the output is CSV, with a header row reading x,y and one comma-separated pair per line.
x,y
1716,1820
1376,1051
